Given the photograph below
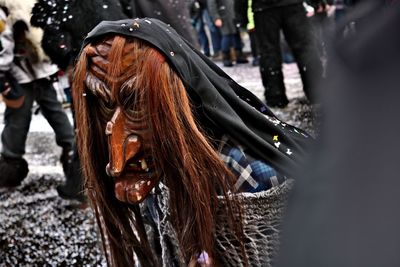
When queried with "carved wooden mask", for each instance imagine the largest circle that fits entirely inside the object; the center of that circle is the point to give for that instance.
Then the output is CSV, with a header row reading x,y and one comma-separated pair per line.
x,y
129,137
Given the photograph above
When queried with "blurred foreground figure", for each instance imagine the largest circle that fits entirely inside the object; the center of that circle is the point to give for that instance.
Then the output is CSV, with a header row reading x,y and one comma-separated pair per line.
x,y
176,154
347,204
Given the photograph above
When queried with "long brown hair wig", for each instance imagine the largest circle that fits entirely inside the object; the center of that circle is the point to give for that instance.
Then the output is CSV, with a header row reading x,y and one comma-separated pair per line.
x,y
187,158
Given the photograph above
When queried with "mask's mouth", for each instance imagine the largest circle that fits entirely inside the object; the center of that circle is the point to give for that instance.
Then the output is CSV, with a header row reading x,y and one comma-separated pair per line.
x,y
137,179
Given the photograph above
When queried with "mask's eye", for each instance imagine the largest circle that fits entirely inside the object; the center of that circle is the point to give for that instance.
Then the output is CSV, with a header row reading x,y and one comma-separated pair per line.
x,y
99,95
107,106
106,109
132,100
134,107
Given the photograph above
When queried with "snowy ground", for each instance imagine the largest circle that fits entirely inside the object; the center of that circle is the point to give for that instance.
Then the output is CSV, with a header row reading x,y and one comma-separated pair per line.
x,y
37,228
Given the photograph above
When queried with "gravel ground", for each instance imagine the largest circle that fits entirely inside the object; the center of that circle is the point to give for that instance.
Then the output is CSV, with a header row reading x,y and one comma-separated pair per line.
x,y
39,229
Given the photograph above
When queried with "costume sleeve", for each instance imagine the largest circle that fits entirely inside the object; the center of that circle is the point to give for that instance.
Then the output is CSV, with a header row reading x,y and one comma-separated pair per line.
x,y
7,45
253,175
213,9
241,8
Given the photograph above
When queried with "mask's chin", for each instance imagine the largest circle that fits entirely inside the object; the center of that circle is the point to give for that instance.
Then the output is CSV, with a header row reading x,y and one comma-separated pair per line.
x,y
136,182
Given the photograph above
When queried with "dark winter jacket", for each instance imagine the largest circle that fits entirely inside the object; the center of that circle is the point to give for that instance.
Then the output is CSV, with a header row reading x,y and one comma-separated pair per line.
x,y
71,20
224,10
175,13
260,5
241,7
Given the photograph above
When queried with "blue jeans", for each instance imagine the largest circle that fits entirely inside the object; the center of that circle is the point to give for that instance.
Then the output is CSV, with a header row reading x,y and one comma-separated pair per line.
x,y
206,20
230,40
215,33
17,121
203,39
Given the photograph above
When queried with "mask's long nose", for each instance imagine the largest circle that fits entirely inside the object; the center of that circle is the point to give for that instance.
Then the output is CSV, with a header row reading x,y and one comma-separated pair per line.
x,y
121,144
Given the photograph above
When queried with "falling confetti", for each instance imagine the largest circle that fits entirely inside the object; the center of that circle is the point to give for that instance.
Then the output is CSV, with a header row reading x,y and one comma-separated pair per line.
x,y
136,25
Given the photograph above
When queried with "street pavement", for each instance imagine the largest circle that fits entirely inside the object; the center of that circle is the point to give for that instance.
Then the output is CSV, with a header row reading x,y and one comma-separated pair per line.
x,y
39,228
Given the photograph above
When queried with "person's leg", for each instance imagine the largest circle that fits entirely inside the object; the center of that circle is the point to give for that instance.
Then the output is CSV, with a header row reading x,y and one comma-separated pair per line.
x,y
16,126
254,48
267,24
216,37
297,30
203,39
237,43
13,168
287,55
73,186
317,29
226,53
53,112
253,43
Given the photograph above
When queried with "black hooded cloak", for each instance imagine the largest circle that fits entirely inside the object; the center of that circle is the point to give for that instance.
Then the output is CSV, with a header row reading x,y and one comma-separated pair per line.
x,y
220,102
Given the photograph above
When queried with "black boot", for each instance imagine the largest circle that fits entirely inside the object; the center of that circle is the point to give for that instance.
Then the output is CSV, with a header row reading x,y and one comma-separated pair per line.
x,y
73,187
274,87
12,171
226,59
240,57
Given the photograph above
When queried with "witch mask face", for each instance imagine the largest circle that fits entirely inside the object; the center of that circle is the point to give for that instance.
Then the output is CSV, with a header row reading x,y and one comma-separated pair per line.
x,y
130,161
126,124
